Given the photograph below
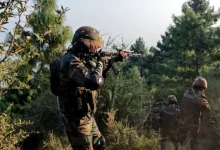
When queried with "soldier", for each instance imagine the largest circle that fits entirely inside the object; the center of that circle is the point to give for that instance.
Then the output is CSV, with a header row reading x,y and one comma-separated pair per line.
x,y
80,78
194,104
169,122
155,115
152,120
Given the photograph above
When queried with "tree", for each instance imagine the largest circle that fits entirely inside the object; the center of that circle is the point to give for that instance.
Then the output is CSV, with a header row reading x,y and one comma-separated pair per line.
x,y
190,42
45,40
139,46
9,49
11,130
127,93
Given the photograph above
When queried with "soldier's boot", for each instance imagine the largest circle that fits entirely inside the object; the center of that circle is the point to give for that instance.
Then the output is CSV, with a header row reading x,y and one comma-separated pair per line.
x,y
163,144
194,144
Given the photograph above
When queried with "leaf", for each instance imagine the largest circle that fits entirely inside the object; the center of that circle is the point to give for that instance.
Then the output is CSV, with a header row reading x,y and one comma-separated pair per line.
x,y
5,22
58,11
2,5
11,14
1,14
21,4
67,9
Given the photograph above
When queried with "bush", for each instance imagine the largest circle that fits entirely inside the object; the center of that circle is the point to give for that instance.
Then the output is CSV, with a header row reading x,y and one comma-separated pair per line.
x,y
11,132
123,137
43,112
213,95
56,143
127,93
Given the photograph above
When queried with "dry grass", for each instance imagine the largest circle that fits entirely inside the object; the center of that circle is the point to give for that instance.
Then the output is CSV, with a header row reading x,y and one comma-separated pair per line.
x,y
56,143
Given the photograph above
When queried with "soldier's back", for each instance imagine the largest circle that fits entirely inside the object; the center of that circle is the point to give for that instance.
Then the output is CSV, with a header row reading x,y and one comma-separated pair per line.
x,y
189,106
169,116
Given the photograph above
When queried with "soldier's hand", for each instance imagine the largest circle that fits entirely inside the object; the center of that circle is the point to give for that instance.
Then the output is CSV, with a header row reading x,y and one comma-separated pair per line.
x,y
123,54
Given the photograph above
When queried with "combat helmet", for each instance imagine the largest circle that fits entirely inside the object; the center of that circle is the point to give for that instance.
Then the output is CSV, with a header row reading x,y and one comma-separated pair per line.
x,y
200,82
86,39
172,99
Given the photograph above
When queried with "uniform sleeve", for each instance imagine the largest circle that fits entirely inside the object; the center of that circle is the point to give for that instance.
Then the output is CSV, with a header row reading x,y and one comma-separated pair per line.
x,y
77,71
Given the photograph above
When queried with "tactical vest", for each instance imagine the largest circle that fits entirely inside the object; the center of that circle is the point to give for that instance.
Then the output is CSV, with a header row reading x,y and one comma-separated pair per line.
x,y
190,108
169,116
75,99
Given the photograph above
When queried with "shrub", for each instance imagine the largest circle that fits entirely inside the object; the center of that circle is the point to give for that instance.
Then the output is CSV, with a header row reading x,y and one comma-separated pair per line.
x,y
11,132
56,143
123,137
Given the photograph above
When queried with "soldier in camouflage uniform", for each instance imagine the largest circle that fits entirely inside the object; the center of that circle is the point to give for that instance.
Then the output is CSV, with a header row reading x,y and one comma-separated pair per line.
x,y
153,120
169,122
81,78
194,104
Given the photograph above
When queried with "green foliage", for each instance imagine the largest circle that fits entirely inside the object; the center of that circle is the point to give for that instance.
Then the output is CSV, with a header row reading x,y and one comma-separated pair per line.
x,y
185,51
11,132
211,126
11,47
128,93
127,138
43,43
186,47
139,46
49,33
43,113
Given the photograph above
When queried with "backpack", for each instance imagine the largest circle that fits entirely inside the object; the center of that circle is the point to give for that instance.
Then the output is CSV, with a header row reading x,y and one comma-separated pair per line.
x,y
54,77
169,117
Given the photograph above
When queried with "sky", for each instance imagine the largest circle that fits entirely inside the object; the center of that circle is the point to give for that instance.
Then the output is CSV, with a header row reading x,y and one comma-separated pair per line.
x,y
128,18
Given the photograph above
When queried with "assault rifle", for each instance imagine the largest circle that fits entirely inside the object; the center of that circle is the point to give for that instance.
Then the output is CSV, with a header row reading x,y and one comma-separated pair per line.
x,y
111,56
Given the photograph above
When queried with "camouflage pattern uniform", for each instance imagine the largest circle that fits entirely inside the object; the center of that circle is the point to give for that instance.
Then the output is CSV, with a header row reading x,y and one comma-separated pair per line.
x,y
169,123
194,104
81,79
152,122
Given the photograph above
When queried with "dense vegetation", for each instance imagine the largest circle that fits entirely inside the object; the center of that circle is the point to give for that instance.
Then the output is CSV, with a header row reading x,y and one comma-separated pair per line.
x,y
28,112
